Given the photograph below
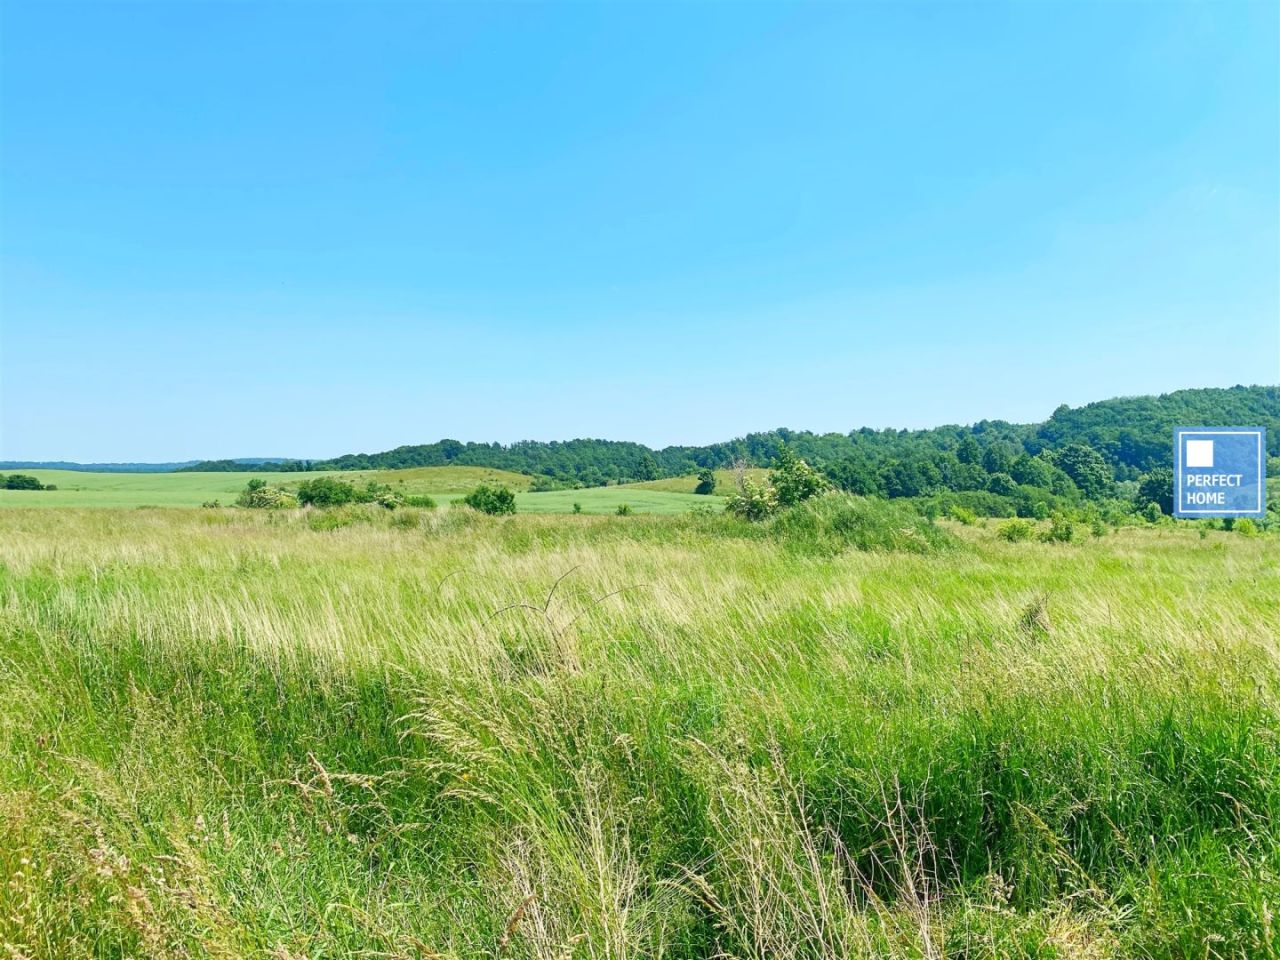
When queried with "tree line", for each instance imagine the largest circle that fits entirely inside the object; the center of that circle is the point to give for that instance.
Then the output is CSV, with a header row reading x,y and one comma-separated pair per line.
x,y
1104,449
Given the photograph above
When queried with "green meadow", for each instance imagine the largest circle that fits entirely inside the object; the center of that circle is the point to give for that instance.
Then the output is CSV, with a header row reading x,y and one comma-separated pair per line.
x,y
425,734
445,484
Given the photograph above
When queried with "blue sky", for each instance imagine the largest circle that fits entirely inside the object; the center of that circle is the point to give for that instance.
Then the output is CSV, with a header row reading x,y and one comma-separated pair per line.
x,y
308,229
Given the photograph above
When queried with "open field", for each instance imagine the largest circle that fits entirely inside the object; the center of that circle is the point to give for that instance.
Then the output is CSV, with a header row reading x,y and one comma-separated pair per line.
x,y
445,484
85,489
231,734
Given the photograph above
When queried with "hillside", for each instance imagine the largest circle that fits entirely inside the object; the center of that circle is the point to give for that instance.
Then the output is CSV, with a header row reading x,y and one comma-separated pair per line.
x,y
1133,434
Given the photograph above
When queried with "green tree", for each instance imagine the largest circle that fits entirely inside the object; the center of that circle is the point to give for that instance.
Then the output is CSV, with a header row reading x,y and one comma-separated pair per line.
x,y
1087,469
1156,486
706,481
648,467
1002,484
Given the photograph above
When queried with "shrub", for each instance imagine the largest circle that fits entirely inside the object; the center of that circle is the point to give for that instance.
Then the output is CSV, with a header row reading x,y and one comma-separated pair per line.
x,y
258,496
753,501
1061,530
492,500
420,500
794,481
706,482
325,492
577,507
1015,531
830,524
963,515
1152,513
1246,527
624,510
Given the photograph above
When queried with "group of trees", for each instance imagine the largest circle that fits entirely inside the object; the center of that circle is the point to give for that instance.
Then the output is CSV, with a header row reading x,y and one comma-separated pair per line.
x,y
23,481
326,492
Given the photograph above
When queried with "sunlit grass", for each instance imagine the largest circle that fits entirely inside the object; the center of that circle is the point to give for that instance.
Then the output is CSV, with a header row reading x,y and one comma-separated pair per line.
x,y
229,733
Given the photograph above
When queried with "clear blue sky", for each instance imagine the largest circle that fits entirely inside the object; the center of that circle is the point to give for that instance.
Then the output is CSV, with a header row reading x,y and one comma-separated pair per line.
x,y
307,229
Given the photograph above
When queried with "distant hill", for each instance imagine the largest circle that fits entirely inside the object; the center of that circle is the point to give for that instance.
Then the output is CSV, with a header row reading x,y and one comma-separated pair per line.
x,y
95,467
128,467
1133,434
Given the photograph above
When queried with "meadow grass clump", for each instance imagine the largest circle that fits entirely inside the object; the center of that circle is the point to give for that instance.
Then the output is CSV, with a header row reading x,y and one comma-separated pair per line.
x,y
228,734
830,524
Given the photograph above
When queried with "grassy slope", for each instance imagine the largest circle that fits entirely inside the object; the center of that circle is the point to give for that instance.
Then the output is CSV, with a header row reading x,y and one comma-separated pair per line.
x,y
725,482
231,734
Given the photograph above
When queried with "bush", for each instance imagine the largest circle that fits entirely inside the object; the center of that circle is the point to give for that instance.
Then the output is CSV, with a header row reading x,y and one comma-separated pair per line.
x,y
1152,513
420,500
1246,527
753,501
1061,530
325,492
577,507
1015,531
706,482
496,501
624,510
258,496
963,515
830,524
794,481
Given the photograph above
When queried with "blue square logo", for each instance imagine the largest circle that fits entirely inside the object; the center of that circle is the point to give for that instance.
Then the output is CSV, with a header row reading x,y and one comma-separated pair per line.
x,y
1219,471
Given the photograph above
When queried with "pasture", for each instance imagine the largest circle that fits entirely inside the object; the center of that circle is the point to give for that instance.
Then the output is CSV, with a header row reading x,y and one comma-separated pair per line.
x,y
426,734
445,484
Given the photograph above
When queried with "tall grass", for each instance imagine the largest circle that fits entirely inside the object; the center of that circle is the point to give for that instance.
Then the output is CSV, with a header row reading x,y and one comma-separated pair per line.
x,y
231,734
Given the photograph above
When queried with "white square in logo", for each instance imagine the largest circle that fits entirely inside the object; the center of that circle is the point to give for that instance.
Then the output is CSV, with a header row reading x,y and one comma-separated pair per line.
x,y
1199,453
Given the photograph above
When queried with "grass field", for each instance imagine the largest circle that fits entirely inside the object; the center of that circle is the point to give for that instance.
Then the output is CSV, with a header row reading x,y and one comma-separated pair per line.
x,y
437,734
445,484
